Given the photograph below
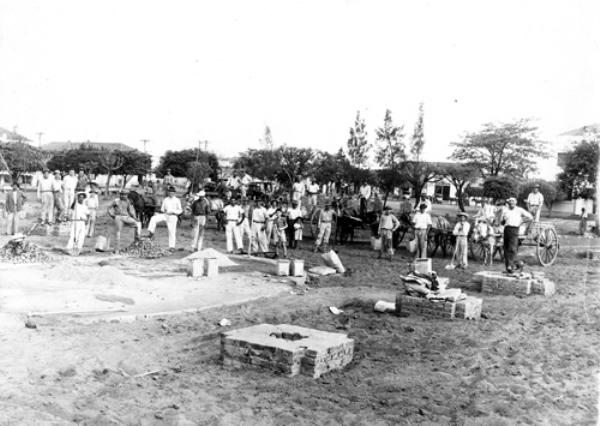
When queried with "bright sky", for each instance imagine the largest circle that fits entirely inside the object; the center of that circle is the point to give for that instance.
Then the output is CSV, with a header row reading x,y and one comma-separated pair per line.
x,y
176,72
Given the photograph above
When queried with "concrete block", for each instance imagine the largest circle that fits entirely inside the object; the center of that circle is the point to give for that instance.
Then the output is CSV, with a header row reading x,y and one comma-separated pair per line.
x,y
426,307
499,284
297,267
196,268
469,308
282,268
543,287
211,267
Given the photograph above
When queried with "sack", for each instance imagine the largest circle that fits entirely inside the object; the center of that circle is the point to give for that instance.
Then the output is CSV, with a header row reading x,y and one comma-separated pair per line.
x,y
376,243
412,245
332,259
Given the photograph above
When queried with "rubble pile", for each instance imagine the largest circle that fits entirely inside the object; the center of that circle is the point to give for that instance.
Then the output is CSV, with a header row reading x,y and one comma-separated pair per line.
x,y
22,251
426,294
146,248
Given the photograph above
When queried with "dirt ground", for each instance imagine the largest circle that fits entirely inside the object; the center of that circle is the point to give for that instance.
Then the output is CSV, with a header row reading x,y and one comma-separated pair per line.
x,y
528,361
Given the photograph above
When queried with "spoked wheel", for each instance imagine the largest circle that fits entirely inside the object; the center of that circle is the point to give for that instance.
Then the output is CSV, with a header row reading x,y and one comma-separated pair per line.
x,y
449,244
433,242
477,249
546,249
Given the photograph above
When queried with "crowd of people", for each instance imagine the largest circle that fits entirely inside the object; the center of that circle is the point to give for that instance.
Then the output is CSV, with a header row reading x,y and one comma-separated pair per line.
x,y
263,225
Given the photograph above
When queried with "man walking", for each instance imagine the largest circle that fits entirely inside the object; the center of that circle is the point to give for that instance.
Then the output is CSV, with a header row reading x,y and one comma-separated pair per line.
x,y
200,211
512,219
170,211
123,213
388,223
79,218
324,226
14,205
233,216
535,201
422,223
46,195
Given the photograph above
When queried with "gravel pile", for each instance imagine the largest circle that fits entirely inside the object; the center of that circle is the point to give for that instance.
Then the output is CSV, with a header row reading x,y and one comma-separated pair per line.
x,y
147,249
22,251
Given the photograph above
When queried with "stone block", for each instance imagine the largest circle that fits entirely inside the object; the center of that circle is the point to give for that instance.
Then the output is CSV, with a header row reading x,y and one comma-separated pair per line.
x,y
499,284
543,287
286,349
469,308
426,307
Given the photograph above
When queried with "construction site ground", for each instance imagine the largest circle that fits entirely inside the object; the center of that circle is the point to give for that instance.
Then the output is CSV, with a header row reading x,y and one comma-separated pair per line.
x,y
146,350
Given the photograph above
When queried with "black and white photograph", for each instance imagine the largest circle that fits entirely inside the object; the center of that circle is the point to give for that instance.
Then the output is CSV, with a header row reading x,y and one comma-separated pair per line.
x,y
299,212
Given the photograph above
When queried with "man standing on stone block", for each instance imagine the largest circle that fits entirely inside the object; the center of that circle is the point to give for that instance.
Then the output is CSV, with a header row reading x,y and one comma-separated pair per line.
x,y
422,223
200,210
512,219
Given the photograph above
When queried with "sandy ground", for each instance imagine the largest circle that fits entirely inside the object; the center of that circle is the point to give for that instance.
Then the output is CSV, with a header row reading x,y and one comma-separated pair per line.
x,y
529,361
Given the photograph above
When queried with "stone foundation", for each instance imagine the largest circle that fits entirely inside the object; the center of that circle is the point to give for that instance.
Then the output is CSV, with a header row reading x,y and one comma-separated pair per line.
x,y
469,308
286,349
412,305
500,284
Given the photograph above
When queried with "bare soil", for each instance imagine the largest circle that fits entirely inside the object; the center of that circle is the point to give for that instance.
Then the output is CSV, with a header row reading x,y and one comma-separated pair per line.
x,y
533,360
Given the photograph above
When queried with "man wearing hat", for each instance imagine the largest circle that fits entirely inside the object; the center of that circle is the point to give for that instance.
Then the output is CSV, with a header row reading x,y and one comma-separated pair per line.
x,y
324,226
512,219
200,210
461,232
259,223
233,216
45,193
69,185
170,211
294,216
92,203
535,201
168,181
422,224
387,225
79,218
123,213
14,205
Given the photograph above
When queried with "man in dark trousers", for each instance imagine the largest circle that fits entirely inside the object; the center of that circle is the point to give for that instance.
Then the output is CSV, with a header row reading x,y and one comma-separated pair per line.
x,y
512,219
200,210
14,205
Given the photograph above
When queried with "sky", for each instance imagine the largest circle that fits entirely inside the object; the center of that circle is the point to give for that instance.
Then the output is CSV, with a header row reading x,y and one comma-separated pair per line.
x,y
182,71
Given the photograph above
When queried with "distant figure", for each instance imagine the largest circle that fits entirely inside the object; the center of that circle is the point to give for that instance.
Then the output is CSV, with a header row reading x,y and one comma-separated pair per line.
x,y
461,232
57,191
387,225
406,207
168,181
45,193
297,191
280,232
365,196
422,223
583,221
425,200
123,213
92,203
82,182
535,201
200,211
244,225
313,193
15,200
69,185
79,219
294,224
487,211
324,226
244,183
512,219
259,221
169,213
233,216
270,228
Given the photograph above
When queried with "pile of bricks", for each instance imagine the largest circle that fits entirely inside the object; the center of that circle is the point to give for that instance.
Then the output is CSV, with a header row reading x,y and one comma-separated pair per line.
x,y
521,286
286,349
413,305
468,308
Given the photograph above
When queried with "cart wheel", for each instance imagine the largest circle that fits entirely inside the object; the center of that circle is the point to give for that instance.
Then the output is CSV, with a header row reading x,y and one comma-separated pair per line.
x,y
477,249
449,245
432,243
547,247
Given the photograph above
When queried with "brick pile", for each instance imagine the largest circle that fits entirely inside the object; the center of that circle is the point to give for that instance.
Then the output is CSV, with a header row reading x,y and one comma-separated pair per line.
x,y
468,308
286,349
413,305
521,286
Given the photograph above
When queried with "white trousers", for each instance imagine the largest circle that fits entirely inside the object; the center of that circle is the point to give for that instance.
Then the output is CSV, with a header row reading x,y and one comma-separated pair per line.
x,y
12,223
47,212
77,235
171,221
270,232
462,250
259,238
92,223
232,231
198,237
324,233
245,230
69,197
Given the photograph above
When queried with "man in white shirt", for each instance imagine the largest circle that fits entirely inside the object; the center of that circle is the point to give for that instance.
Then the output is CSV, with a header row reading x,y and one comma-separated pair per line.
x,y
92,204
535,201
365,195
387,225
57,190
422,223
487,211
69,185
244,183
244,225
294,217
313,193
79,217
233,216
298,190
170,211
259,221
512,219
461,232
270,221
45,193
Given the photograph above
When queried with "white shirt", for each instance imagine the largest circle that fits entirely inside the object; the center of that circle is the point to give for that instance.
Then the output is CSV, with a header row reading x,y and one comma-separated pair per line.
x,y
57,186
294,213
271,213
461,229
313,188
46,184
487,211
422,220
535,199
232,212
92,202
171,205
246,180
299,187
365,191
70,182
514,217
80,212
259,214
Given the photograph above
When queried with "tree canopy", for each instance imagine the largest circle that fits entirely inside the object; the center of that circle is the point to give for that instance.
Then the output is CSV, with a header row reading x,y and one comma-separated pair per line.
x,y
580,169
21,157
506,148
500,187
461,176
358,145
179,162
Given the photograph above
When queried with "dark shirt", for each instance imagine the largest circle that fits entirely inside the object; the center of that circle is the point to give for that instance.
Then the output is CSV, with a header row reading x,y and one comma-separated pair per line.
x,y
201,207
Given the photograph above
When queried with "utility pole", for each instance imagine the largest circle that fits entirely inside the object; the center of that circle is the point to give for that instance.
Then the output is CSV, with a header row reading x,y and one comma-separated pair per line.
x,y
145,141
205,145
39,134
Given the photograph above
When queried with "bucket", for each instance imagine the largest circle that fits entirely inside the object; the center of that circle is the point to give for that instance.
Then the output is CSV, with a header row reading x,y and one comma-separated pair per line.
x,y
297,267
196,268
211,266
376,243
282,268
423,265
102,243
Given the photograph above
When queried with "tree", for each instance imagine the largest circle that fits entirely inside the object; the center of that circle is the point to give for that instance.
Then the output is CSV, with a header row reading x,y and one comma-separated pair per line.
x,y
500,187
415,171
461,176
295,163
580,169
390,144
506,148
109,162
179,161
262,163
21,158
134,163
358,145
267,140
550,191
